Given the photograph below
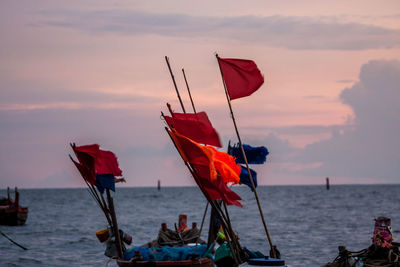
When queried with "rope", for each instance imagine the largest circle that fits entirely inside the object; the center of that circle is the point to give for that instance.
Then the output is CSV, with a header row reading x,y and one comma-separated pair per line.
x,y
112,258
3,234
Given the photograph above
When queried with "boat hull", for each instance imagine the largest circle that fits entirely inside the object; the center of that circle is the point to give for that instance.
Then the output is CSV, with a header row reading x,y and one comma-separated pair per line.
x,y
203,262
12,216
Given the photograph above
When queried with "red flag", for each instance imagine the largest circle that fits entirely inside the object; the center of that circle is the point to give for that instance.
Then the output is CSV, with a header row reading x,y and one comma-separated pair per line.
x,y
241,76
86,171
196,126
202,160
105,162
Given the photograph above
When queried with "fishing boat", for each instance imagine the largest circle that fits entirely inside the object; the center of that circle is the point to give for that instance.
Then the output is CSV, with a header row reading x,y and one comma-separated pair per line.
x,y
11,213
383,252
99,170
195,140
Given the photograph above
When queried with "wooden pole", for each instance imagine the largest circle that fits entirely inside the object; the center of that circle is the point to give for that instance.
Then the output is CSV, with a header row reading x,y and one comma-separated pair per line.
x,y
201,227
194,109
176,87
92,191
245,160
194,174
12,241
213,205
115,224
190,95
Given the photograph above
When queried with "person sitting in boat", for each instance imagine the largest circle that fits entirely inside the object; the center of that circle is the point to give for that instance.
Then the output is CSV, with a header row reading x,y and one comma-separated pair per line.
x,y
182,223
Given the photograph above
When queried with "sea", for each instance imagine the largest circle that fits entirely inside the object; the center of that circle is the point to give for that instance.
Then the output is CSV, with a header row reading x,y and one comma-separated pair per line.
x,y
306,223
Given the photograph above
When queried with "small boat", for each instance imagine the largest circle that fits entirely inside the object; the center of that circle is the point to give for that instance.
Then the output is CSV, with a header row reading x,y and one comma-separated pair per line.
x,y
11,213
383,252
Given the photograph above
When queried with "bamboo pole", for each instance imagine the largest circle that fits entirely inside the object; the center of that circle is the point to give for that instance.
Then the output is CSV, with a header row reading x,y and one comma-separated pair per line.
x,y
114,222
194,109
218,209
93,193
194,174
245,160
201,227
187,86
12,241
176,87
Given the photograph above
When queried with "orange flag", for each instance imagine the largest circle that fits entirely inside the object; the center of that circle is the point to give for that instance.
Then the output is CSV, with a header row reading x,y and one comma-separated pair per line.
x,y
202,159
226,166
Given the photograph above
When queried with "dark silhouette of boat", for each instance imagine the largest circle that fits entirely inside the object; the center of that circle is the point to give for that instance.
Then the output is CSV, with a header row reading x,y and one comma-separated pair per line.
x,y
11,213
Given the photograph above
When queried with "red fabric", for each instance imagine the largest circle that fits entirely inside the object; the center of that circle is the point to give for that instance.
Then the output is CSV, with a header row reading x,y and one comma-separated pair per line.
x,y
195,154
226,166
103,162
107,163
195,126
86,172
242,77
202,160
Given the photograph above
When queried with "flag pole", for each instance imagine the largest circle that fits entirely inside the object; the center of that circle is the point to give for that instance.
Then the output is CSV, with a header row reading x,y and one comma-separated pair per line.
x,y
224,221
194,109
187,86
114,224
245,160
188,165
176,87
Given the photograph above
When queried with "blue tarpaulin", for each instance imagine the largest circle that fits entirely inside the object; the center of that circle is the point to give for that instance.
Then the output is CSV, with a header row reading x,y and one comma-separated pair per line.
x,y
166,253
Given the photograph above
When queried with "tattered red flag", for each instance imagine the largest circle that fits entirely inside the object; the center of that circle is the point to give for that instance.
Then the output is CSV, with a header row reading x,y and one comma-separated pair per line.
x,y
196,126
241,76
202,160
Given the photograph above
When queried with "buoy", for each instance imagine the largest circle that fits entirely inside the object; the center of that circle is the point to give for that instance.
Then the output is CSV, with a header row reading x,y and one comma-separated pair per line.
x,y
103,235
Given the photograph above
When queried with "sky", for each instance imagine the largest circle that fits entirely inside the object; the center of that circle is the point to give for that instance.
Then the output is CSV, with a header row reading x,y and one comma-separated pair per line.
x,y
94,72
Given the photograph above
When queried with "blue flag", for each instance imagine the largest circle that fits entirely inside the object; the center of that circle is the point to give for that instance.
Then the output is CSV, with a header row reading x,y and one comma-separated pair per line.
x,y
254,155
105,181
245,177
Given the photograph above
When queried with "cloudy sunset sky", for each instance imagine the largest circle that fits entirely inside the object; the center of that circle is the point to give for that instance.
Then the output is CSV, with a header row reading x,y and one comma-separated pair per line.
x,y
94,72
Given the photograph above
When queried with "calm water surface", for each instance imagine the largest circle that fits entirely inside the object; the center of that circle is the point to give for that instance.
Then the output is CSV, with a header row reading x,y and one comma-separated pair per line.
x,y
307,223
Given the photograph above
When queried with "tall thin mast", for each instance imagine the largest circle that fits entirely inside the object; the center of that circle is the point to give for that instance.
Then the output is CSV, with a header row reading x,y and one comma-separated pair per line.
x,y
187,86
222,216
176,87
245,160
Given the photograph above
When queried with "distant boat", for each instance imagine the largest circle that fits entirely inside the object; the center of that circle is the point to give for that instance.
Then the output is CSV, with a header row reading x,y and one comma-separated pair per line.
x,y
11,213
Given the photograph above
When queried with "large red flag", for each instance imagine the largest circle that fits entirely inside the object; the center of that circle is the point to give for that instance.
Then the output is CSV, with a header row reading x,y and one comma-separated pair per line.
x,y
105,162
241,76
202,160
196,126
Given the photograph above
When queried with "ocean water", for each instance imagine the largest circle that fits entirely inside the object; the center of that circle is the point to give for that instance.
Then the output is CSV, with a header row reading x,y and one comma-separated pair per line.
x,y
307,223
